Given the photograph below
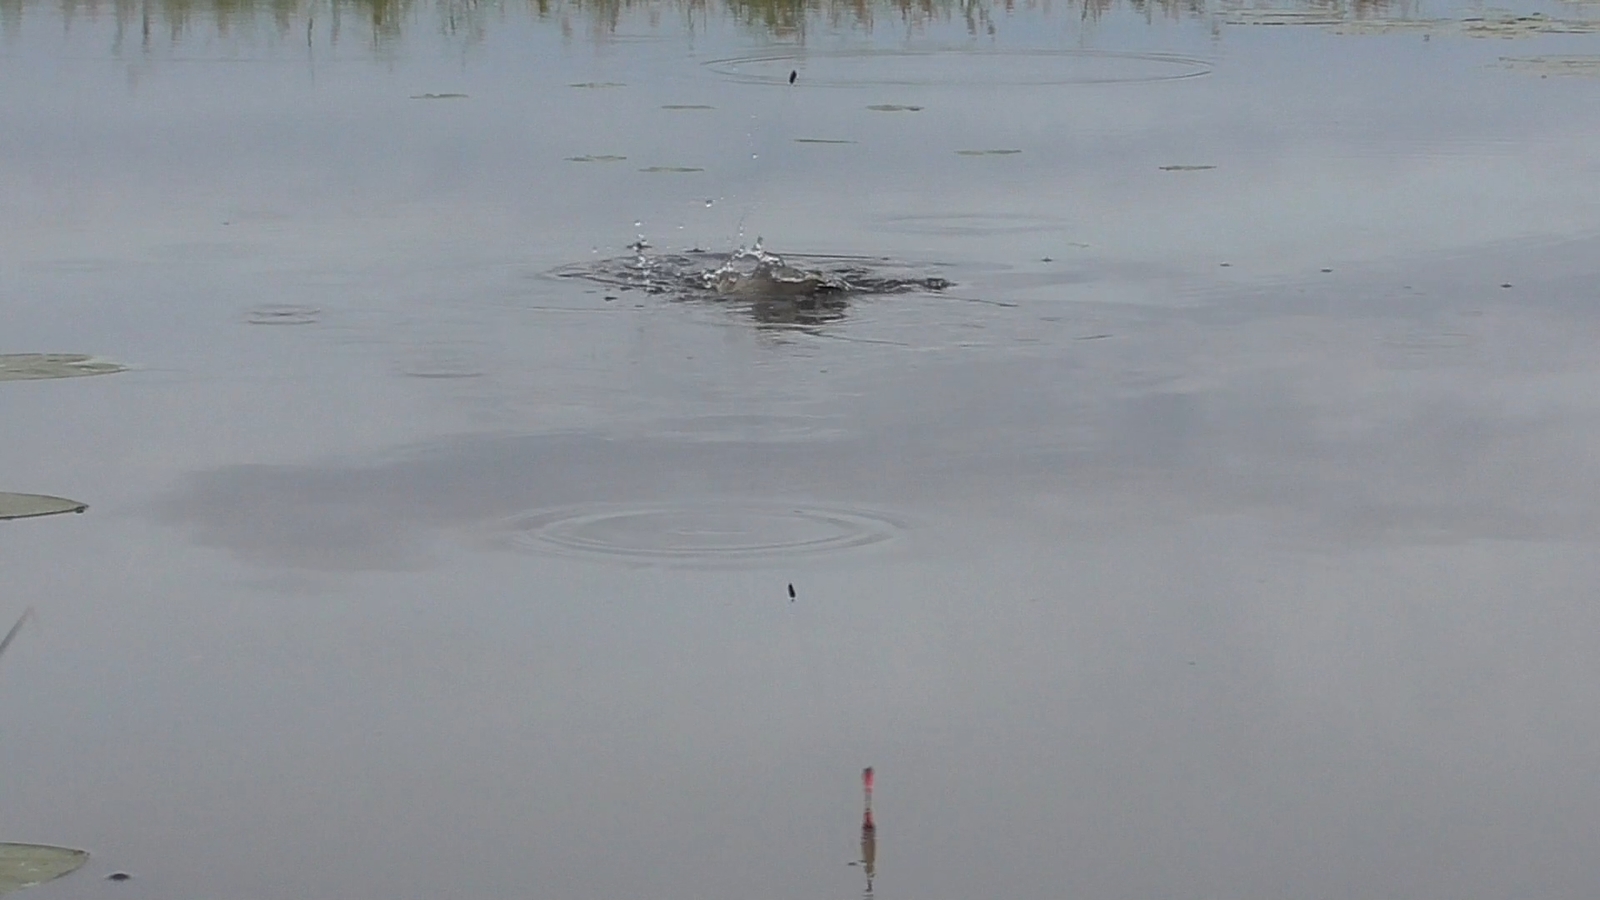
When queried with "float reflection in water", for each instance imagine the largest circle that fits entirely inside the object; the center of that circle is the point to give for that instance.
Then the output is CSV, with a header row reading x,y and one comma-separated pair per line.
x,y
869,833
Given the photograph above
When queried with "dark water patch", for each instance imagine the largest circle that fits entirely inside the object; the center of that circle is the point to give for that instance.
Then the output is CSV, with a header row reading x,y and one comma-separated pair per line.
x,y
987,152
389,515
1421,349
706,533
1186,168
597,84
893,107
25,506
200,251
963,68
669,169
37,366
284,314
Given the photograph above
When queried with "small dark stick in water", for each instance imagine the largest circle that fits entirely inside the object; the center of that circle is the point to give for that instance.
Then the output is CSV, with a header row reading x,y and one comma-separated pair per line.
x,y
12,634
791,592
793,74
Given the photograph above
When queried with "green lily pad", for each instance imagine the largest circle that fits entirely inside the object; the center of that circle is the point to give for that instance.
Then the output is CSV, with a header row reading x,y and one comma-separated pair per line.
x,y
25,865
33,366
23,506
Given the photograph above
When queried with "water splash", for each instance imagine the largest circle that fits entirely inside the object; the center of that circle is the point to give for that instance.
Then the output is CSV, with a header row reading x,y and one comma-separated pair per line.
x,y
758,274
753,273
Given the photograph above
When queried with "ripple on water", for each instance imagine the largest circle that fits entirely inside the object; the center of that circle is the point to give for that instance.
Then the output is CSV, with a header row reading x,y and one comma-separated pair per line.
x,y
442,369
746,429
1423,349
962,68
283,314
974,224
708,533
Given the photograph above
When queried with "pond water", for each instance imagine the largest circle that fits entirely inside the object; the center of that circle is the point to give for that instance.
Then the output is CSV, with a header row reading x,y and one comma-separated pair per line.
x,y
1156,438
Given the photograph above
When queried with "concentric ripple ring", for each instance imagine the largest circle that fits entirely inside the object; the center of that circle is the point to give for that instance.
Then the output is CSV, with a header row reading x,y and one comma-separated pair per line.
x,y
962,68
704,533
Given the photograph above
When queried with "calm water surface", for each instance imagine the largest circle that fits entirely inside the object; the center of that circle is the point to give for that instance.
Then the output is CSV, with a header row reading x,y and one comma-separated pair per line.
x,y
1226,528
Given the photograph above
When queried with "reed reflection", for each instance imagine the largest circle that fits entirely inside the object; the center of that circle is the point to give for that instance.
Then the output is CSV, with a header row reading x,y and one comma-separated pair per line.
x,y
158,23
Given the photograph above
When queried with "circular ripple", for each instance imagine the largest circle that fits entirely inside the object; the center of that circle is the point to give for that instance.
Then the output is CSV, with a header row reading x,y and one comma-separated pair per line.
x,y
700,533
963,68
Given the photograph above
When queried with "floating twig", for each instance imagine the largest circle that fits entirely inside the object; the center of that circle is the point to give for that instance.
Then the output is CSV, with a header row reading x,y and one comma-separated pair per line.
x,y
12,634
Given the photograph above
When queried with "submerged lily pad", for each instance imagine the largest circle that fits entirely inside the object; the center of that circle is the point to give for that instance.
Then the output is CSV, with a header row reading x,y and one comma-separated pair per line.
x,y
25,865
32,366
23,506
